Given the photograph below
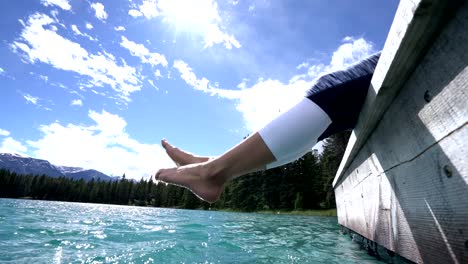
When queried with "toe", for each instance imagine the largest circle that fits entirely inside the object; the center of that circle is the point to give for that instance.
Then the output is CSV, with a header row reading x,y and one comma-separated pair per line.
x,y
156,176
167,175
164,143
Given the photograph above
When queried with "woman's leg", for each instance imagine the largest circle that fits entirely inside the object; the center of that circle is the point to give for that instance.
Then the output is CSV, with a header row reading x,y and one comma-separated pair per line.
x,y
206,179
283,140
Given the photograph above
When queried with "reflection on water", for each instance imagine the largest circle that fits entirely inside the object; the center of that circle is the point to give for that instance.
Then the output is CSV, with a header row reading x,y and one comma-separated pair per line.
x,y
58,232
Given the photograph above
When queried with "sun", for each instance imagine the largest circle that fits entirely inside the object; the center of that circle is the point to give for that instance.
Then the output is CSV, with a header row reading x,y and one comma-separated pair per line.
x,y
190,15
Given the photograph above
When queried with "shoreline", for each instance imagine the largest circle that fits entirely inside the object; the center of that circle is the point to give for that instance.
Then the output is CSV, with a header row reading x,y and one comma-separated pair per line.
x,y
317,212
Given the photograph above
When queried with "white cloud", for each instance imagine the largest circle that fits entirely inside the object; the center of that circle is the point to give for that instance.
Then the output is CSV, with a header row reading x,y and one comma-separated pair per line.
x,y
119,28
31,99
134,13
348,38
89,26
79,33
77,102
149,9
99,11
139,50
54,14
214,35
251,8
4,132
157,74
196,16
38,43
264,100
9,145
152,84
60,3
351,51
45,78
104,146
36,101
243,84
187,74
251,102
76,30
2,71
302,65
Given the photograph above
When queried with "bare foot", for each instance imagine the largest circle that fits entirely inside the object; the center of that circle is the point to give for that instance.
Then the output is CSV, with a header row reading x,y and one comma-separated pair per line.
x,y
181,157
196,177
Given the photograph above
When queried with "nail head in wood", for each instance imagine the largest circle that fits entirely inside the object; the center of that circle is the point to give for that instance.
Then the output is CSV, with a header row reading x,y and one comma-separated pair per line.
x,y
448,171
427,96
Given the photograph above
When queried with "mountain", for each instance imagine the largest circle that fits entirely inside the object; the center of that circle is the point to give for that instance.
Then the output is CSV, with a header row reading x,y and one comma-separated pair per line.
x,y
26,165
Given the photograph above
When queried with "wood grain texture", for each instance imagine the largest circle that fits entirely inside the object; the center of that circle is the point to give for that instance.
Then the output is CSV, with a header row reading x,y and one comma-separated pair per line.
x,y
407,186
413,209
416,24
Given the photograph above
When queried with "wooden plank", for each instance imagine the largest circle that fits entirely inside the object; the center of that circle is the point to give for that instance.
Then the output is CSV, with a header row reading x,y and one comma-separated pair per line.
x,y
416,24
407,187
412,124
424,215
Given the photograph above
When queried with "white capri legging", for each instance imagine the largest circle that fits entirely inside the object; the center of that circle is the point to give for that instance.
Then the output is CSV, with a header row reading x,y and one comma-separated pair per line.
x,y
332,105
295,132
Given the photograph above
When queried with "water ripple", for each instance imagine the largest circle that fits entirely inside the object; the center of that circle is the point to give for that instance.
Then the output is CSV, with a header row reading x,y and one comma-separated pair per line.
x,y
57,232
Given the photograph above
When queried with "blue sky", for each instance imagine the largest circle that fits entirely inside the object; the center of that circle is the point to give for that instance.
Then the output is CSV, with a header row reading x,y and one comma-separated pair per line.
x,y
98,84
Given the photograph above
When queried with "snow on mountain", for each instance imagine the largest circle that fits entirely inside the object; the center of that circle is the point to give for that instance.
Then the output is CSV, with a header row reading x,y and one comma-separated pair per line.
x,y
27,165
65,169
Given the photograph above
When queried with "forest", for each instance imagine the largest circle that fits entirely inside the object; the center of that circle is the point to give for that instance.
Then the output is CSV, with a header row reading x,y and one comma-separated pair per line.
x,y
301,185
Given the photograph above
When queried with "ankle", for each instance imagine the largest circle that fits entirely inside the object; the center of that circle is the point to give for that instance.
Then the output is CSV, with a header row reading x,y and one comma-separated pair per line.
x,y
215,169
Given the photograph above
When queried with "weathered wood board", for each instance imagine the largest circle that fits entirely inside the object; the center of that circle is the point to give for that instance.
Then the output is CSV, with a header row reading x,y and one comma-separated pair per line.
x,y
406,185
416,24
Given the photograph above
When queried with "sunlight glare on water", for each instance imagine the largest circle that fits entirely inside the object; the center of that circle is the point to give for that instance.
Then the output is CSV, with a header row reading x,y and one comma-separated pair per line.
x,y
59,232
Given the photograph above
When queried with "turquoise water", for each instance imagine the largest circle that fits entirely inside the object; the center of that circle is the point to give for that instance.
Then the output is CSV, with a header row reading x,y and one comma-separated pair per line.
x,y
59,232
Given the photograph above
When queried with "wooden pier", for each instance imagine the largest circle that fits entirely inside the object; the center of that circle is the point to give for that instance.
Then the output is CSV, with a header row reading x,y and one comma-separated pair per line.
x,y
403,182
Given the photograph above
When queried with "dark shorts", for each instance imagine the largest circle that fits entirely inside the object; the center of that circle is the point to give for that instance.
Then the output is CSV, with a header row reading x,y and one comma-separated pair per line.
x,y
341,94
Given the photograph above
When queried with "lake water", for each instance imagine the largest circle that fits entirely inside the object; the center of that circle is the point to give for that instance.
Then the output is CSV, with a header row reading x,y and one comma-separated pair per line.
x,y
59,232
